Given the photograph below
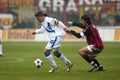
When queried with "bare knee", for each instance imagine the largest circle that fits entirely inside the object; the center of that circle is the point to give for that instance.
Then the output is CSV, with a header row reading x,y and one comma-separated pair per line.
x,y
83,52
46,51
80,51
56,53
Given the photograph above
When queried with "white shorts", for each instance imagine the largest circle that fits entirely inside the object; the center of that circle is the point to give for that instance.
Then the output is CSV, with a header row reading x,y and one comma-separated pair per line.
x,y
54,43
93,50
90,48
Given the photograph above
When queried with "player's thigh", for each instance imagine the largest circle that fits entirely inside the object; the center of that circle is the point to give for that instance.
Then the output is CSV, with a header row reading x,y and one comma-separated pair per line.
x,y
84,50
57,43
93,52
46,51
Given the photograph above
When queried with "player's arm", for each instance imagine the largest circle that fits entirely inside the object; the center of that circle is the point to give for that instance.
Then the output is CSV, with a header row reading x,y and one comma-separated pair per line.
x,y
76,24
38,31
57,23
61,25
81,34
65,28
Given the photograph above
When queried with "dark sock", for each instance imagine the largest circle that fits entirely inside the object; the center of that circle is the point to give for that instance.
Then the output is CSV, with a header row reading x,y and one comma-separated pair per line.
x,y
96,61
47,54
87,58
58,55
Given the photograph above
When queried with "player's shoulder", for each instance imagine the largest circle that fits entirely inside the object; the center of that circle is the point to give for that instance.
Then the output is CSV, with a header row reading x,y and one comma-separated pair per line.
x,y
92,25
48,18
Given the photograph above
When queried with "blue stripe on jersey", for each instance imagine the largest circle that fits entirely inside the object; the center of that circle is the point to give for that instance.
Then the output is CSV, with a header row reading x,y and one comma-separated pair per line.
x,y
49,28
53,41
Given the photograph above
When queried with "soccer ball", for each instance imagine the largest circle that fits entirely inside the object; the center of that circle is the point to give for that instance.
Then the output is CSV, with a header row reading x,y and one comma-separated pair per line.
x,y
38,63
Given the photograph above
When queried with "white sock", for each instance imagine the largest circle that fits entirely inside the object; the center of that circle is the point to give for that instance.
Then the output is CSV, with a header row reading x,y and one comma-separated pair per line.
x,y
64,59
51,60
0,48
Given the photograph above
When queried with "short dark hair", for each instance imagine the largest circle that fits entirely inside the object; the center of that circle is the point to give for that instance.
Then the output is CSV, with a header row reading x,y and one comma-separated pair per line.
x,y
86,18
40,14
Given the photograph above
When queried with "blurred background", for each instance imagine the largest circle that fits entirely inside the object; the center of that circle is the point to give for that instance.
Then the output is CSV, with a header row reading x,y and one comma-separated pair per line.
x,y
19,14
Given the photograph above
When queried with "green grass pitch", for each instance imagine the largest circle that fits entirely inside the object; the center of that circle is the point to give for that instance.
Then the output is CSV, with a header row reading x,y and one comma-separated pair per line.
x,y
17,64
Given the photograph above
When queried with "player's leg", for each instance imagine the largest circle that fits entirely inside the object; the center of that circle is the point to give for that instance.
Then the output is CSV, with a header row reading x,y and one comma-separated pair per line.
x,y
49,57
95,64
85,53
59,55
50,46
99,66
90,57
1,54
64,59
95,52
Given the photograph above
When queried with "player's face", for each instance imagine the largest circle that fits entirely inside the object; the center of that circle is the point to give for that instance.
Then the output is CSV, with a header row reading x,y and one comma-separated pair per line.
x,y
83,22
40,18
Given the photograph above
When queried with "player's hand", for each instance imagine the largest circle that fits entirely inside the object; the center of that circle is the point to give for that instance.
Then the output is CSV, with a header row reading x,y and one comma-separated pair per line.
x,y
33,33
70,22
67,30
56,22
72,31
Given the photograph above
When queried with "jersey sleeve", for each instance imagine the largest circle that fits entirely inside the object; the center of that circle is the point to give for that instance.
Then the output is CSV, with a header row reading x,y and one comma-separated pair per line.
x,y
87,31
79,25
52,21
57,23
82,34
61,25
40,30
76,34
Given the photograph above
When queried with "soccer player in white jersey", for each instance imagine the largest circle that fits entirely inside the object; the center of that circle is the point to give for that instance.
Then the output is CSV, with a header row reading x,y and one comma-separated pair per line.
x,y
55,30
1,54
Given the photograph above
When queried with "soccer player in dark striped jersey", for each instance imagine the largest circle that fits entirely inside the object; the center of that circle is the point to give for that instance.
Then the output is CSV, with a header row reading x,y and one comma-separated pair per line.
x,y
95,44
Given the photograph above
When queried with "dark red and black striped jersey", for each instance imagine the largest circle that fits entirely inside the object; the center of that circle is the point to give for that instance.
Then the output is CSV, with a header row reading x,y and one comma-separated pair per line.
x,y
92,35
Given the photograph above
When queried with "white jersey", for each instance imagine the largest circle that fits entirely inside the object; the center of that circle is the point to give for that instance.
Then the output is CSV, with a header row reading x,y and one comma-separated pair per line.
x,y
53,30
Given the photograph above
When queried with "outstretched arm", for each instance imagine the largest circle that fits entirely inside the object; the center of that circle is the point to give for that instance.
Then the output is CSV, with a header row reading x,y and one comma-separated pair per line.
x,y
76,24
37,31
78,35
83,33
61,24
